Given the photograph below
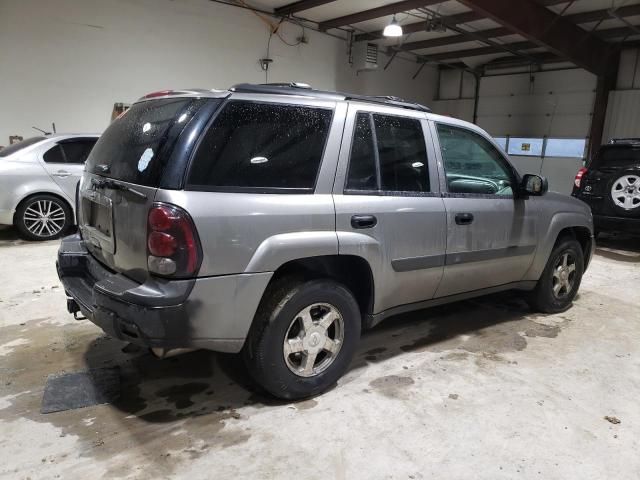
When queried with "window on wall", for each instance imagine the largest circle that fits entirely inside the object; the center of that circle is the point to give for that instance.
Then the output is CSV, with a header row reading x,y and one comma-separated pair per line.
x,y
543,147
565,147
528,147
502,141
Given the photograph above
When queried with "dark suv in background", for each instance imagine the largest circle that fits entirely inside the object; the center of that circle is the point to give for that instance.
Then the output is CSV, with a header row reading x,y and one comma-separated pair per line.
x,y
610,185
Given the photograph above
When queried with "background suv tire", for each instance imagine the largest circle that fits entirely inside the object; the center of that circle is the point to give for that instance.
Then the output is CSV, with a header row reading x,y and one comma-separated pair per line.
x,y
560,280
303,337
43,217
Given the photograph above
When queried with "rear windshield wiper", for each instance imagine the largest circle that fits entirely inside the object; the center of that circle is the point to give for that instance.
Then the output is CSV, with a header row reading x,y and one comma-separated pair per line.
x,y
117,186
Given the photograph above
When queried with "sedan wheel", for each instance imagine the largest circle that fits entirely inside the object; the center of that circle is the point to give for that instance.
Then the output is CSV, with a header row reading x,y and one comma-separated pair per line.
x,y
43,217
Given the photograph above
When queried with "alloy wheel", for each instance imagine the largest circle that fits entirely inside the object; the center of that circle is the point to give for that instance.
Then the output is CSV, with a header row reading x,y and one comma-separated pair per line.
x,y
313,340
564,275
625,192
44,218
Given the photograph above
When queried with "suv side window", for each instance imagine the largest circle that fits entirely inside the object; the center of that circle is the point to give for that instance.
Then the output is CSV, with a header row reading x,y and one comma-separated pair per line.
x,y
389,154
262,146
77,151
472,164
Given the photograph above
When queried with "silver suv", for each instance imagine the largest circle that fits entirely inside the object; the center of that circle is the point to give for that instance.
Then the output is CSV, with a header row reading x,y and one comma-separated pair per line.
x,y
279,221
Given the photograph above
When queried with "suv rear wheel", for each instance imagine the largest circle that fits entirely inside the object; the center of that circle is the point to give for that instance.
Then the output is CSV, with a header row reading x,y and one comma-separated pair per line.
x,y
303,337
43,217
560,280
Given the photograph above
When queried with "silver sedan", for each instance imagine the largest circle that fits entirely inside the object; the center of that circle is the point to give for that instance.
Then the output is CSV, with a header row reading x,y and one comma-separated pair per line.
x,y
38,179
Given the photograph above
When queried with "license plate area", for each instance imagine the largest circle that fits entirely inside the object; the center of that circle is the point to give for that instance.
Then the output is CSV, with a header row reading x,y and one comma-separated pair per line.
x,y
97,220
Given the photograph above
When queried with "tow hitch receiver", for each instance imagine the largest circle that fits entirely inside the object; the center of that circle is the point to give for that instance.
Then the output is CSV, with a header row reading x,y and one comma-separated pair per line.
x,y
74,308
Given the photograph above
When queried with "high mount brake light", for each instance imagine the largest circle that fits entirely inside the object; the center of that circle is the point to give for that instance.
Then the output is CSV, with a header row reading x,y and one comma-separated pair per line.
x,y
173,245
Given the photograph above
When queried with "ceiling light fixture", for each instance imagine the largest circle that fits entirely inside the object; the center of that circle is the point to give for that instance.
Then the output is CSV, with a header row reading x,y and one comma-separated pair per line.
x,y
393,29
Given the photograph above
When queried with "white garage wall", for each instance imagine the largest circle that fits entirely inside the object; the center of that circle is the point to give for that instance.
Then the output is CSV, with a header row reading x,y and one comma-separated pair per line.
x,y
69,61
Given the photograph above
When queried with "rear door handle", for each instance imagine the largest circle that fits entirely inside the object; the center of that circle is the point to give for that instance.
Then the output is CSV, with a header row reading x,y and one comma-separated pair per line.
x,y
464,218
363,221
62,174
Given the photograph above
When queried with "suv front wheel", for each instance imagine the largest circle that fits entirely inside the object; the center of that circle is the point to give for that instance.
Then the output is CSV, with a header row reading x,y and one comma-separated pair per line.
x,y
303,337
560,280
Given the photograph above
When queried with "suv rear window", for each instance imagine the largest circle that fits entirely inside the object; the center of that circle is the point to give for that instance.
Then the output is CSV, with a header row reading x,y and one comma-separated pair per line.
x,y
132,148
260,147
622,156
16,147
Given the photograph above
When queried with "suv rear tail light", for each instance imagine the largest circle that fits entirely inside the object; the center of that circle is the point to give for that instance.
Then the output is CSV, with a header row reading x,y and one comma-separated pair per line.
x,y
172,242
581,173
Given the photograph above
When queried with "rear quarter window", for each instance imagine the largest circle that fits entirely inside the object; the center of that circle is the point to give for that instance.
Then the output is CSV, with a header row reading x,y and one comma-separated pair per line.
x,y
261,147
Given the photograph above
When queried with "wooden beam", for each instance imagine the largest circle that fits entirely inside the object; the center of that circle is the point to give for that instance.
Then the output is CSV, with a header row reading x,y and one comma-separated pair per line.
x,y
378,12
296,7
540,25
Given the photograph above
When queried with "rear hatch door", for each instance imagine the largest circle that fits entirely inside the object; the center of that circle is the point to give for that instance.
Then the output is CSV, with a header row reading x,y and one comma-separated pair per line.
x,y
124,170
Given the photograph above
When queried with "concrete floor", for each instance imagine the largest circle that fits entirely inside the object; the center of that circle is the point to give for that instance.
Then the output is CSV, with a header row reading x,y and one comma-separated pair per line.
x,y
478,389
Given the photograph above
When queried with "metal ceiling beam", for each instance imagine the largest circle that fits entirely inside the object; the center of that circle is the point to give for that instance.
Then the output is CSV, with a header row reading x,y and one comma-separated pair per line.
x,y
476,52
547,29
378,12
300,6
497,32
597,15
453,39
457,19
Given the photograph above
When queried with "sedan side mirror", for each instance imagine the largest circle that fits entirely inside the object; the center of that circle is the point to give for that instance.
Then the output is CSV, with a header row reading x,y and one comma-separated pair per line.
x,y
534,185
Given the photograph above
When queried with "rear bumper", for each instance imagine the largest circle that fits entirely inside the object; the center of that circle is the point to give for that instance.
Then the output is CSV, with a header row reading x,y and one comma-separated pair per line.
x,y
604,222
195,313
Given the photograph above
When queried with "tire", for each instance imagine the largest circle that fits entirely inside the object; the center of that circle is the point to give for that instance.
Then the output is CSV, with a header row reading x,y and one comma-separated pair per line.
x,y
546,297
623,193
284,314
32,221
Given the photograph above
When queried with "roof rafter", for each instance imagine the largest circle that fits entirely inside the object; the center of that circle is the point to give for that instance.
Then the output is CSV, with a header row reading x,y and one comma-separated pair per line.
x,y
299,6
540,25
377,12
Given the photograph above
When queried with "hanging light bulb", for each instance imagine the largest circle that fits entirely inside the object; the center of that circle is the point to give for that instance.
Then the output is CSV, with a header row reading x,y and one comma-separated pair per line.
x,y
393,29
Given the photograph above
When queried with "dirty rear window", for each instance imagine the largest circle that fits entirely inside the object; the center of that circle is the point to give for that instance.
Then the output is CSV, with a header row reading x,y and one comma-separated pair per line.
x,y
136,146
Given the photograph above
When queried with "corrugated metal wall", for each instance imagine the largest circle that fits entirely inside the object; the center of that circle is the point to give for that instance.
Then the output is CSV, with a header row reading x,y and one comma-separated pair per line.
x,y
623,112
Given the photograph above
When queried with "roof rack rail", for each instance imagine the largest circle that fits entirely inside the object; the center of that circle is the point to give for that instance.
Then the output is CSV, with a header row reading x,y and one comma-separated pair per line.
x,y
624,140
303,89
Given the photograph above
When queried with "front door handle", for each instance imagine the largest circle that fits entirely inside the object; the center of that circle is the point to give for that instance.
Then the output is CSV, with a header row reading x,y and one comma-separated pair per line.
x,y
62,174
464,218
363,221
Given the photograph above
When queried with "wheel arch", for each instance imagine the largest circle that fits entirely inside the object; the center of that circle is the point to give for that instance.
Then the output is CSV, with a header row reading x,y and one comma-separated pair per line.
x,y
562,225
44,192
351,270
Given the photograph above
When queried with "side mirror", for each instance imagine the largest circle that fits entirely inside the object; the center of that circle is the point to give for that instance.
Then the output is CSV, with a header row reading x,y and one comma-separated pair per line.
x,y
534,185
